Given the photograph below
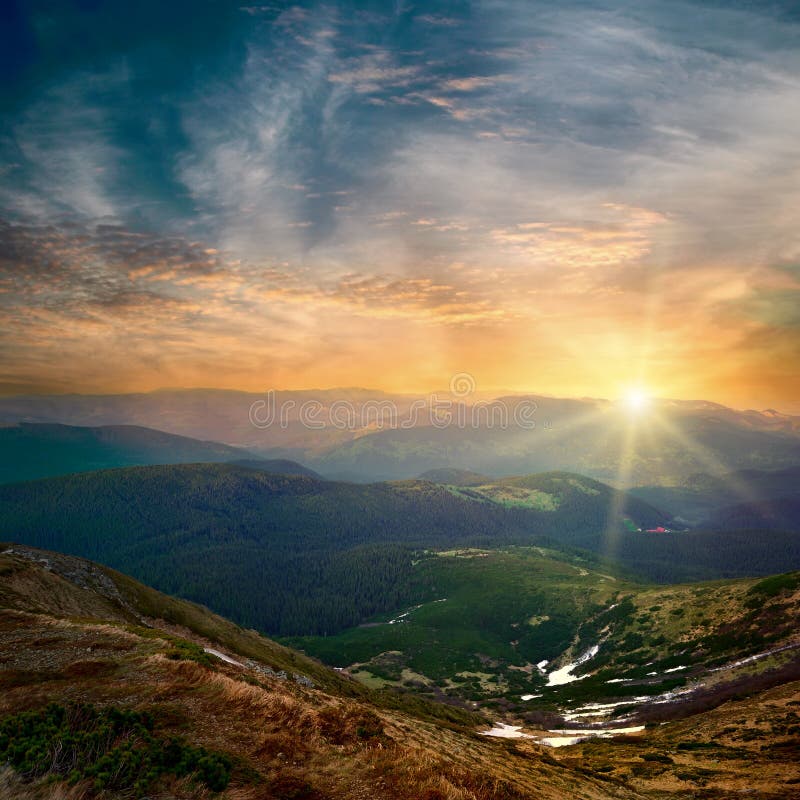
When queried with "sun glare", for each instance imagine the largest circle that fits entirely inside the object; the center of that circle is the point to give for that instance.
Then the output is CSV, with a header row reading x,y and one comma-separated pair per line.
x,y
636,400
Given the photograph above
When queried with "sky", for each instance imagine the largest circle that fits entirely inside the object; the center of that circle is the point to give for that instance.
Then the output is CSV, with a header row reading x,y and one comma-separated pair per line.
x,y
568,197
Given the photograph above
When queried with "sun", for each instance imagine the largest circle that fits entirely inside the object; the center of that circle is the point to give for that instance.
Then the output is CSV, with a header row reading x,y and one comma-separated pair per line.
x,y
637,399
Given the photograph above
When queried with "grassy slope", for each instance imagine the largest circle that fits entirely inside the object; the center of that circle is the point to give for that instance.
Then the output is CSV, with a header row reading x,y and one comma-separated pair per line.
x,y
748,746
78,589
67,634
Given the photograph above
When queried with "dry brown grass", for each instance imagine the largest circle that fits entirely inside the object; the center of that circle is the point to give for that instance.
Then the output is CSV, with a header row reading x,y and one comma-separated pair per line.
x,y
12,787
290,741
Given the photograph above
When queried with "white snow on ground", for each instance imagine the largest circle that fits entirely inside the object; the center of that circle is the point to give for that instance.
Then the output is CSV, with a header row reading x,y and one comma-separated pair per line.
x,y
750,659
403,617
562,738
527,697
502,731
560,741
542,664
668,697
222,656
602,710
675,669
564,675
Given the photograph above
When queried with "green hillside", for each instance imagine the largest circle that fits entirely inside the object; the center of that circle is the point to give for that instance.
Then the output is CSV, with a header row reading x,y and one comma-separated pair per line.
x,y
454,477
489,627
295,555
285,554
697,497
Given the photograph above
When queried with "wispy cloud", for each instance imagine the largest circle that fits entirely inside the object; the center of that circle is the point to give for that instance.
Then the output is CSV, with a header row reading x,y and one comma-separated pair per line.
x,y
299,179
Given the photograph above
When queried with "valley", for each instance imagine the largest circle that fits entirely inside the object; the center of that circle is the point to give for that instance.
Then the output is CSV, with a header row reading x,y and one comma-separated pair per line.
x,y
457,635
260,720
538,637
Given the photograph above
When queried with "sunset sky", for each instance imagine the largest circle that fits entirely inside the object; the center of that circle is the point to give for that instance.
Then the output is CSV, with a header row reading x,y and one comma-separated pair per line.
x,y
565,197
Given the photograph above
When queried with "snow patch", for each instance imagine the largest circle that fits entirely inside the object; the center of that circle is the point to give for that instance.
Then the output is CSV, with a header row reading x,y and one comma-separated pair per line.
x,y
503,731
564,675
565,737
602,710
222,657
750,659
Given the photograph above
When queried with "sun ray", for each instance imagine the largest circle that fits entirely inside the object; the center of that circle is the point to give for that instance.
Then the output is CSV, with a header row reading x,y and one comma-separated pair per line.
x,y
626,455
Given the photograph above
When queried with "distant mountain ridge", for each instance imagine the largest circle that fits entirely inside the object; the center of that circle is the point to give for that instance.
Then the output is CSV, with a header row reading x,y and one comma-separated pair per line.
x,y
39,450
700,498
678,438
454,477
778,513
587,438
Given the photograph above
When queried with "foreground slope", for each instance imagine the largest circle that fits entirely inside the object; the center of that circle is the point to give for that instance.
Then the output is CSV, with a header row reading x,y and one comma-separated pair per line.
x,y
81,653
211,710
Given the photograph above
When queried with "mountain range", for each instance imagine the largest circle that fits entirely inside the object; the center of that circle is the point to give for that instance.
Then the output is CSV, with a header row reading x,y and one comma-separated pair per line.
x,y
360,434
331,553
482,617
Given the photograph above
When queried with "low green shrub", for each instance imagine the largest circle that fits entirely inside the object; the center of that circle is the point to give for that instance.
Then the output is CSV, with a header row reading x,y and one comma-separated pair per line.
x,y
658,758
114,748
182,650
773,586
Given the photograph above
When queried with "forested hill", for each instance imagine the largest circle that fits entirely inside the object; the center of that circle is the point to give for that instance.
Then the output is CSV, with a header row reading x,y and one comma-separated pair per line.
x,y
454,477
294,554
780,513
281,466
285,554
